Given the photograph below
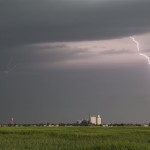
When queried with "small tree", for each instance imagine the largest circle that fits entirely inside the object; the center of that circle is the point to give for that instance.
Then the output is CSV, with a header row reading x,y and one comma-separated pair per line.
x,y
84,123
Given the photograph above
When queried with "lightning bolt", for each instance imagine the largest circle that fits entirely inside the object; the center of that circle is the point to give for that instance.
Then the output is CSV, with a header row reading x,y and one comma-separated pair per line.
x,y
138,48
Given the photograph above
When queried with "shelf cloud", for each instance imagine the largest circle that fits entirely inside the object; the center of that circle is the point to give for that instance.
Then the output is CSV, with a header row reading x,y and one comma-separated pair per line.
x,y
36,21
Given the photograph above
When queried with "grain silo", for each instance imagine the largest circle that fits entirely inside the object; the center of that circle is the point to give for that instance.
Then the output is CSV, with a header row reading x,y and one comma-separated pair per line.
x,y
95,120
98,120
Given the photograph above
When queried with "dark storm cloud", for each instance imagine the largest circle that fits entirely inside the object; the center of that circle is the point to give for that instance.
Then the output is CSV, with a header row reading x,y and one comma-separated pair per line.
x,y
33,21
116,90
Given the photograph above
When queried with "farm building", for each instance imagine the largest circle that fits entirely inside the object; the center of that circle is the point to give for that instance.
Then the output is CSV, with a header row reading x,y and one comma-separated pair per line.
x,y
95,120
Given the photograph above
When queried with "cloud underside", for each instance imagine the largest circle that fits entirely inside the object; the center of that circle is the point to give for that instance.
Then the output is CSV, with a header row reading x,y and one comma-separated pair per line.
x,y
26,22
59,55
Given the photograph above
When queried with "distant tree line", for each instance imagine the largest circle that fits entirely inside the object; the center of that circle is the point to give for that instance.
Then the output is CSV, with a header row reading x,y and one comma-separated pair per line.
x,y
82,123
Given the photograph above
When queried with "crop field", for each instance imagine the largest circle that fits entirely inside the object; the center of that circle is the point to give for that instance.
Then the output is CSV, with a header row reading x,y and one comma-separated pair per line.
x,y
74,138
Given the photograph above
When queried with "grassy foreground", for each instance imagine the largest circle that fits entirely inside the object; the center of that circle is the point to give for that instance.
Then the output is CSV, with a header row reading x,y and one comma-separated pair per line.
x,y
74,138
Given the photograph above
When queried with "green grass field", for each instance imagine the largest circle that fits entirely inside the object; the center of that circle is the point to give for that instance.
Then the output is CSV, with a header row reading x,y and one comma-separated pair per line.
x,y
74,138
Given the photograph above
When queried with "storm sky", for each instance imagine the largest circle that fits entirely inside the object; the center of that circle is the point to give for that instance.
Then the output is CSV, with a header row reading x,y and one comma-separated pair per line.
x,y
63,59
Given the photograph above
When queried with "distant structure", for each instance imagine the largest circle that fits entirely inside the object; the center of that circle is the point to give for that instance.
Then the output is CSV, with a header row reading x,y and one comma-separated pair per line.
x,y
12,121
95,120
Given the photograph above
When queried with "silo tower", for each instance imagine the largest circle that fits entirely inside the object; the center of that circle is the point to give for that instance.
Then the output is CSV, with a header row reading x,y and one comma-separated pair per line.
x,y
98,120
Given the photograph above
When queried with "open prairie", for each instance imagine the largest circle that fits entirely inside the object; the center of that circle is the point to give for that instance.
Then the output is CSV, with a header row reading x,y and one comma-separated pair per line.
x,y
75,138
